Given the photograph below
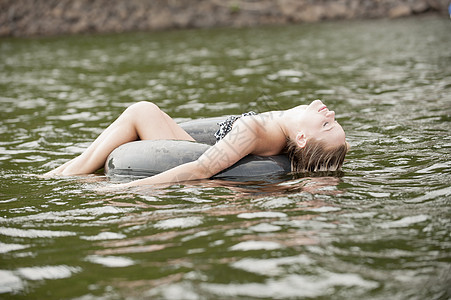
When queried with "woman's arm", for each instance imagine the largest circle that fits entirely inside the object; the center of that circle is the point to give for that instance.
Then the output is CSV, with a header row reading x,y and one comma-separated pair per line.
x,y
239,142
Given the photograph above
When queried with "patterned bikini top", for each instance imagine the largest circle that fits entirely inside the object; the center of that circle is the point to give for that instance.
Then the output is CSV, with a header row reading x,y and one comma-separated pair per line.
x,y
226,126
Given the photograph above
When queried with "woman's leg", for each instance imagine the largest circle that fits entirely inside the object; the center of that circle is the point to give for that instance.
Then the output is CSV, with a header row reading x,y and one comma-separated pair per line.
x,y
142,120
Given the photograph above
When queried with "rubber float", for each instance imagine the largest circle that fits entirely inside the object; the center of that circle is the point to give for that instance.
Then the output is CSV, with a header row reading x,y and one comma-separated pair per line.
x,y
150,157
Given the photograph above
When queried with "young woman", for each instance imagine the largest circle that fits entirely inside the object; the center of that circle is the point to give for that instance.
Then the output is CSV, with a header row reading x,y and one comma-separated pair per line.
x,y
309,134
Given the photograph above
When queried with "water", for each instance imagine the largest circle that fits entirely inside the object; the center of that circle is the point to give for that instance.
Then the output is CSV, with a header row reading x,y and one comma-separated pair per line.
x,y
381,230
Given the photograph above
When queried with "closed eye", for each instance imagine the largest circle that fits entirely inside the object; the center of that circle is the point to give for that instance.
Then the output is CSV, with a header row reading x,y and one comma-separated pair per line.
x,y
325,124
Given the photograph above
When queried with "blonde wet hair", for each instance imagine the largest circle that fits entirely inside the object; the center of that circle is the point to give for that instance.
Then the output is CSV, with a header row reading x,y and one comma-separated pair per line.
x,y
315,156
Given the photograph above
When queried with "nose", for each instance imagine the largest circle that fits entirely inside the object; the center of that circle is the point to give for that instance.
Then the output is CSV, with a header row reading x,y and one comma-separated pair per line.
x,y
330,113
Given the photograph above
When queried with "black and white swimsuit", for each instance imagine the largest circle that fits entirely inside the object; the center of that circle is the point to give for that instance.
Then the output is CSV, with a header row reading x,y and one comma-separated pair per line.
x,y
226,126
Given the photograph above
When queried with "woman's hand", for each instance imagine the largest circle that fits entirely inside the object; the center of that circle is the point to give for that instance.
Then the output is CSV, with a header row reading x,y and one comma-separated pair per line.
x,y
113,188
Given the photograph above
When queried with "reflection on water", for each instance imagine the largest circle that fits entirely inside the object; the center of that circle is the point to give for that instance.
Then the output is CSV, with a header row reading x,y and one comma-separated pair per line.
x,y
380,229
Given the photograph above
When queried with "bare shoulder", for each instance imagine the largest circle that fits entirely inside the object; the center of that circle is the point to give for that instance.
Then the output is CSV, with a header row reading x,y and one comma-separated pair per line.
x,y
266,131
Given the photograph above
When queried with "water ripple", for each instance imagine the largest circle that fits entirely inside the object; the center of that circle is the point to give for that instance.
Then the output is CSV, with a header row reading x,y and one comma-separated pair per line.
x,y
379,229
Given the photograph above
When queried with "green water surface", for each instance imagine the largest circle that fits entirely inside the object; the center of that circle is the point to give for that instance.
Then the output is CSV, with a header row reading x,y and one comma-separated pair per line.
x,y
379,230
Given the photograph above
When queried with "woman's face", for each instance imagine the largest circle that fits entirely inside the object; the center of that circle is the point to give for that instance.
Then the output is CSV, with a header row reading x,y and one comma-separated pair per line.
x,y
318,122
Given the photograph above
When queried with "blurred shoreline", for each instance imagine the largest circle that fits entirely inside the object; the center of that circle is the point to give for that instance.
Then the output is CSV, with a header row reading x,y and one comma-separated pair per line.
x,y
26,18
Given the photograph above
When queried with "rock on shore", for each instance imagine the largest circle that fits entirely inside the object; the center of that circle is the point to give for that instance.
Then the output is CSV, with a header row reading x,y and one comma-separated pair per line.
x,y
55,17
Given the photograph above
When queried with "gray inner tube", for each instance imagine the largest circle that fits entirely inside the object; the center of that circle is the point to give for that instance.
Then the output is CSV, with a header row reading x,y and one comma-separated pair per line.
x,y
148,158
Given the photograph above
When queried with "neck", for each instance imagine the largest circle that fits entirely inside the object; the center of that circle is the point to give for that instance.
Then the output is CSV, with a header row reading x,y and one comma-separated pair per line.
x,y
289,121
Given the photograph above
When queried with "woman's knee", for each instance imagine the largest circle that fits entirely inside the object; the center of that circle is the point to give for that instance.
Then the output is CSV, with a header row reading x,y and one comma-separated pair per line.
x,y
143,108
